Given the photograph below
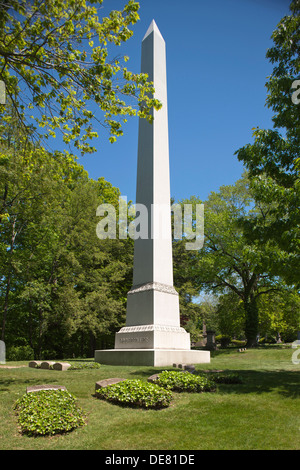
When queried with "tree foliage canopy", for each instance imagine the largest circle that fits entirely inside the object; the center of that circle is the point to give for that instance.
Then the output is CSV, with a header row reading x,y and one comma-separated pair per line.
x,y
55,63
228,262
273,159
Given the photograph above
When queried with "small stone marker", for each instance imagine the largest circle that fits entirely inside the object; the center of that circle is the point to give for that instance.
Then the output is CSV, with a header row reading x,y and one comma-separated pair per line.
x,y
38,388
153,378
107,382
46,365
61,366
189,368
34,363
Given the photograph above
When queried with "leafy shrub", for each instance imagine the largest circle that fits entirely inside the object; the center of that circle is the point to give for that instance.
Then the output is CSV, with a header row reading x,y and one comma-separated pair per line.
x,y
136,393
225,340
185,382
48,412
19,353
84,365
239,343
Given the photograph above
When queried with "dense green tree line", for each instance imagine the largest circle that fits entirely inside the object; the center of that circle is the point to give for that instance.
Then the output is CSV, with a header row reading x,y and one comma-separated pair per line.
x,y
236,271
60,287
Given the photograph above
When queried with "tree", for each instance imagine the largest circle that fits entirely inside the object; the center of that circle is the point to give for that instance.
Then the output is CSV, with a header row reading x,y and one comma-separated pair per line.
x,y
273,159
279,316
54,61
227,262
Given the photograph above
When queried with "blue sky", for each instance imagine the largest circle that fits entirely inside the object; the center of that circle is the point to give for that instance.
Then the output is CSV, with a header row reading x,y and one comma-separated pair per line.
x,y
216,73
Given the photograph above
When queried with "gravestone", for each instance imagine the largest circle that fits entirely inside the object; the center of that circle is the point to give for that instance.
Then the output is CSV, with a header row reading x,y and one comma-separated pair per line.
x,y
211,340
61,366
46,364
106,382
153,378
34,364
153,335
38,388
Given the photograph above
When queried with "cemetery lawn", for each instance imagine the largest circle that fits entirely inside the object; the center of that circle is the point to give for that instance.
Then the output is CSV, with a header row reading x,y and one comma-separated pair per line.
x,y
262,413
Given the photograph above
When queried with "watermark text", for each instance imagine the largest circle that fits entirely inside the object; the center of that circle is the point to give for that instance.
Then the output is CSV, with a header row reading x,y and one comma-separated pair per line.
x,y
139,222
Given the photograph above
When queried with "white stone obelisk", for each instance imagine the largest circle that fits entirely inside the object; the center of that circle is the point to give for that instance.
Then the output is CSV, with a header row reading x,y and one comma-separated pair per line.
x,y
152,335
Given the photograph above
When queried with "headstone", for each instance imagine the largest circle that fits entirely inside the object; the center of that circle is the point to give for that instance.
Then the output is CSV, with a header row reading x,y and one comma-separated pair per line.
x,y
107,382
153,335
61,366
38,388
211,340
153,378
189,368
34,364
46,364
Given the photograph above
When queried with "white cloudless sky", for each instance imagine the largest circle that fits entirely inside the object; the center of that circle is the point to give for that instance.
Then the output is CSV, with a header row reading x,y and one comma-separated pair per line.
x,y
216,74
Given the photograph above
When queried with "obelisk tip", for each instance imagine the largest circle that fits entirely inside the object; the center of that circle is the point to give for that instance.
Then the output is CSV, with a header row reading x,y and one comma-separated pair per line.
x,y
152,29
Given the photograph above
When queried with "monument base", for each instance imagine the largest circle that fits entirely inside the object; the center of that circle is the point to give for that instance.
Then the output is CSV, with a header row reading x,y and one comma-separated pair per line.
x,y
151,357
152,337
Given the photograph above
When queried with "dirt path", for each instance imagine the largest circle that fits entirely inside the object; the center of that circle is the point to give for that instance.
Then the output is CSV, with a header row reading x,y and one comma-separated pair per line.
x,y
11,367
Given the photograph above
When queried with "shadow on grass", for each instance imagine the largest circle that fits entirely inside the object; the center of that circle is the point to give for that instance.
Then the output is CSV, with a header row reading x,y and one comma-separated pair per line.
x,y
7,383
286,383
149,371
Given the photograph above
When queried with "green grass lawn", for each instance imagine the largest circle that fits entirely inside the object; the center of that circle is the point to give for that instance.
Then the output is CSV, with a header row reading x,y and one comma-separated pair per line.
x,y
261,413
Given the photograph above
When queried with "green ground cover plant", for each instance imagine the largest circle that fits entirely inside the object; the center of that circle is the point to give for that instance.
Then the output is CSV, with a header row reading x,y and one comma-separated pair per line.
x,y
48,412
185,382
84,365
136,393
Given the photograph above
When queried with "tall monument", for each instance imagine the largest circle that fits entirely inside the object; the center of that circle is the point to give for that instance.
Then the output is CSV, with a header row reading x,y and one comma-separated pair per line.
x,y
152,335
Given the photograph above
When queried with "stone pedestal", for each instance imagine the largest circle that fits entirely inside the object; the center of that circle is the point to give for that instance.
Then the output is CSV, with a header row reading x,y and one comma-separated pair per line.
x,y
151,357
152,337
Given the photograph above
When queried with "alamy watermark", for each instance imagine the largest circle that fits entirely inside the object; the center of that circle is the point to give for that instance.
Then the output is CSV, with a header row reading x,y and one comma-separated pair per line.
x,y
2,352
2,92
296,94
296,354
188,222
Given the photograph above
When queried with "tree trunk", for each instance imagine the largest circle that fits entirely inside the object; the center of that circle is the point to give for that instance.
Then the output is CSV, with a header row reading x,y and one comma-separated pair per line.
x,y
251,322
